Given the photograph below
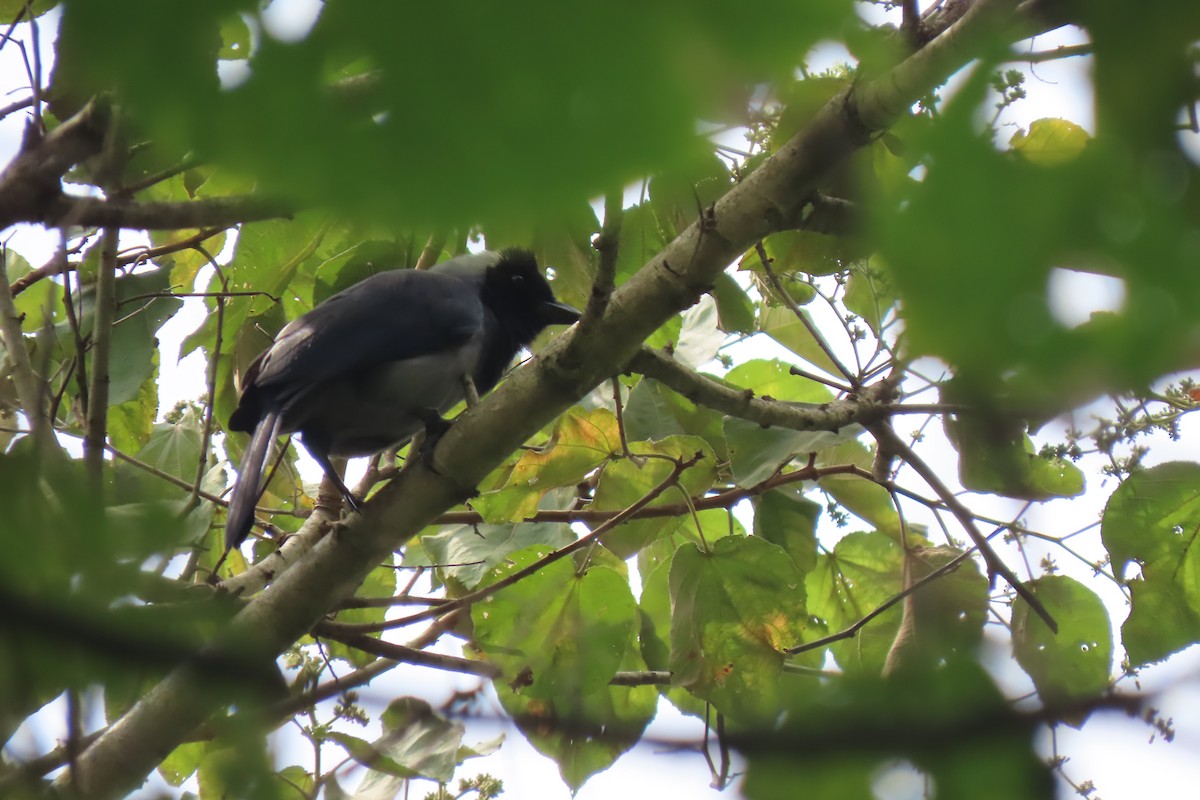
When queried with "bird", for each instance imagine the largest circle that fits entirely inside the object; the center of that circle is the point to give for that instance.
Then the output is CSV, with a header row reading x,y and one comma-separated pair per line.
x,y
376,363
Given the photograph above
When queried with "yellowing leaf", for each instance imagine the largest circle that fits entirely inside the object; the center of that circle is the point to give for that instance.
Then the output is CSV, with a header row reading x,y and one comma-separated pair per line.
x,y
1050,142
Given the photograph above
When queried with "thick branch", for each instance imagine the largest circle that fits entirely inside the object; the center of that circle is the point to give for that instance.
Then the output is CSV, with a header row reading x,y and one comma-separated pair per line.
x,y
863,408
34,178
216,212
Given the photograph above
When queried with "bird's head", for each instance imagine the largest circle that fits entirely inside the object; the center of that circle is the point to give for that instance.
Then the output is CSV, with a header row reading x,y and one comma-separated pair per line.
x,y
517,292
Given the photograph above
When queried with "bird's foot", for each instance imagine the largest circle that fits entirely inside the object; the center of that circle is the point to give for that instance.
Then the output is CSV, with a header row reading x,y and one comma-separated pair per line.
x,y
352,502
435,428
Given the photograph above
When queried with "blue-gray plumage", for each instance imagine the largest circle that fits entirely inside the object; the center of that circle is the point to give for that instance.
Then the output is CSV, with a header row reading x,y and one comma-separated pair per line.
x,y
374,364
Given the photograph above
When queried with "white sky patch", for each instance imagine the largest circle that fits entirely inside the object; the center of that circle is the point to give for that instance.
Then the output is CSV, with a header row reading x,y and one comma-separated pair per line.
x,y
290,20
1074,296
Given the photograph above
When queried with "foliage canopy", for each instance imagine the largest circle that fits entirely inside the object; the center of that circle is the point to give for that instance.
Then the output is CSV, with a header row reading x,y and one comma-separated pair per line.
x,y
782,476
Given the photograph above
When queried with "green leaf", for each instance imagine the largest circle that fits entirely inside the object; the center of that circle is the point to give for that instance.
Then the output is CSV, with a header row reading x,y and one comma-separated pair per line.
x,y
416,742
946,615
756,453
976,294
734,610
772,379
174,448
996,456
382,770
807,253
143,305
642,238
380,582
235,38
40,299
789,519
735,309
863,498
625,481
465,554
241,768
556,632
861,572
844,739
585,734
782,325
869,293
1153,518
555,134
182,763
680,195
358,262
1162,621
1076,662
10,10
582,441
130,423
655,412
776,778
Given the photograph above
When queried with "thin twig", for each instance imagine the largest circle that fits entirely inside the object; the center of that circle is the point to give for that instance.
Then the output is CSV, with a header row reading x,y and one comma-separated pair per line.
x,y
403,653
996,566
562,552
1065,51
431,251
28,384
206,435
101,352
159,177
850,631
608,245
798,312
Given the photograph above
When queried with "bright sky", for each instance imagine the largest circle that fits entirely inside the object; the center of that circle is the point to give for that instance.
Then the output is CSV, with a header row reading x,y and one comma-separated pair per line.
x,y
1110,750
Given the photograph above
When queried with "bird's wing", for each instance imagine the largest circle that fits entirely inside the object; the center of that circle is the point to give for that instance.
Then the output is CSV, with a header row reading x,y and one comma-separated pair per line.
x,y
388,317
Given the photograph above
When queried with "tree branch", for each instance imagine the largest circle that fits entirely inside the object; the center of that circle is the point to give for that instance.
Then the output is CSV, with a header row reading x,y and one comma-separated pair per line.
x,y
888,438
215,212
867,406
33,179
31,389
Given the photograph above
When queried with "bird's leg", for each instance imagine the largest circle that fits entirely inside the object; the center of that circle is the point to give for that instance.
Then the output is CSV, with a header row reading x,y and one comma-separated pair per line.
x,y
327,466
435,427
470,393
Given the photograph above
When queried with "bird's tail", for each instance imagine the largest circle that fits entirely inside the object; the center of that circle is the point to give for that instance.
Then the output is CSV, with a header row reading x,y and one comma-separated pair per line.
x,y
250,479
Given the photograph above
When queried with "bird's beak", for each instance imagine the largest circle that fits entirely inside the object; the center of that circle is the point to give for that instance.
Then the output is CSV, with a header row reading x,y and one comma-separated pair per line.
x,y
556,313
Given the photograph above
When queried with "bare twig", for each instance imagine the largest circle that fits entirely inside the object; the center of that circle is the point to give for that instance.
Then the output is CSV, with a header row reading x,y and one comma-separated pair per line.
x,y
30,388
883,432
1065,51
608,245
799,314
101,351
541,563
431,251
206,436
853,629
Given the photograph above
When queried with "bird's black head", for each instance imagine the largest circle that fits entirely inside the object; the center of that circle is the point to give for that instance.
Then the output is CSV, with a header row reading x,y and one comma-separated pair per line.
x,y
517,293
